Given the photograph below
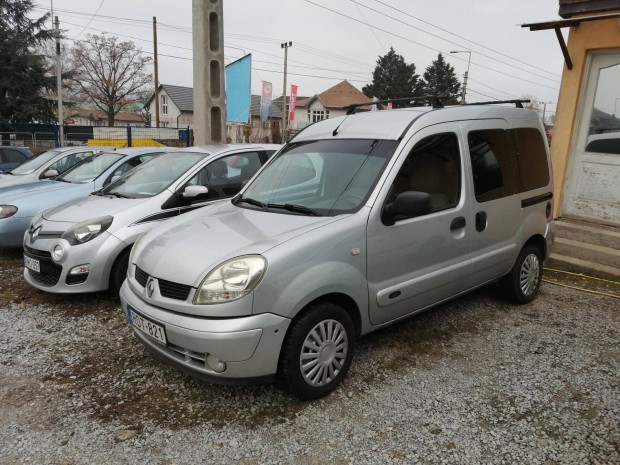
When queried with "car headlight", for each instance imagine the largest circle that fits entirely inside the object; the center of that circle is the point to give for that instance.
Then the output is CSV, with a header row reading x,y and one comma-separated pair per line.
x,y
231,280
7,211
87,230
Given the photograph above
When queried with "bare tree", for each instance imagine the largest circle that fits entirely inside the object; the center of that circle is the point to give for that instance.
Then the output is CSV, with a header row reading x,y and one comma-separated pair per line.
x,y
111,73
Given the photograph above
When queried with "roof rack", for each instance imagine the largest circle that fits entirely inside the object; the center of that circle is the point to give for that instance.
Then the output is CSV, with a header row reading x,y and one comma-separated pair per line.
x,y
434,99
518,103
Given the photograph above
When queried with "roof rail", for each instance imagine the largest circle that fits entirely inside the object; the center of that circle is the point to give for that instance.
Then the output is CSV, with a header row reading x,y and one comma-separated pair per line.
x,y
434,99
518,103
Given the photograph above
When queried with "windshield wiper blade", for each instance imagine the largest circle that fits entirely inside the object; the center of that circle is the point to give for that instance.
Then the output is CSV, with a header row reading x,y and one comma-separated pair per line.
x,y
117,194
256,203
295,208
62,180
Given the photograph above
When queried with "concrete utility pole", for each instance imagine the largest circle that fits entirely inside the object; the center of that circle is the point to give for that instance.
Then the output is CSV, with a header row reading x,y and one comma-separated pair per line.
x,y
464,92
156,72
285,46
61,116
209,89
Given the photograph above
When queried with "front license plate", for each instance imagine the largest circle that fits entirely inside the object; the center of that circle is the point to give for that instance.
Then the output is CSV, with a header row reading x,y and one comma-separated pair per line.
x,y
32,264
145,325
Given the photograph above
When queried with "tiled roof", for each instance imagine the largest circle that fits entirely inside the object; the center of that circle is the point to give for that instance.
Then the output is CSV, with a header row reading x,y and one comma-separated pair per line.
x,y
341,95
275,110
183,97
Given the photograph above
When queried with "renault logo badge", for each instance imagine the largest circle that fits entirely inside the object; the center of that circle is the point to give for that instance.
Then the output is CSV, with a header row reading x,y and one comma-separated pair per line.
x,y
150,287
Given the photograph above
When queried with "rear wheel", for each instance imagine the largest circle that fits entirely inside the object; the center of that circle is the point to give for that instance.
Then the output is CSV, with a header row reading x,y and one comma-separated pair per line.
x,y
522,283
119,271
317,351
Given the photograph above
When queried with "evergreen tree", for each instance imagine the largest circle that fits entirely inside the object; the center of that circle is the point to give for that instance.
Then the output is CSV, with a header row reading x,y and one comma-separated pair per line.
x,y
23,80
393,78
440,80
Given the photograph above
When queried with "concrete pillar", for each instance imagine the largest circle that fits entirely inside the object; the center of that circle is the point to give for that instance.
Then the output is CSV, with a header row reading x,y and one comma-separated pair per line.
x,y
209,88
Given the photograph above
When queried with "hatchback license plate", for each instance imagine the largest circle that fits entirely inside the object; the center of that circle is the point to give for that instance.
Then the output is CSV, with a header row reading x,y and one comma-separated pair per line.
x,y
32,264
151,329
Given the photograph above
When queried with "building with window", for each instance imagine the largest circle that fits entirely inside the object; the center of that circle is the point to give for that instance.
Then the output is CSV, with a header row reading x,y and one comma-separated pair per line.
x,y
327,104
585,147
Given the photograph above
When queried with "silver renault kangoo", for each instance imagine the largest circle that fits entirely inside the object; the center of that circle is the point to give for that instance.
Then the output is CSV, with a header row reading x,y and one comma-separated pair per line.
x,y
83,245
358,222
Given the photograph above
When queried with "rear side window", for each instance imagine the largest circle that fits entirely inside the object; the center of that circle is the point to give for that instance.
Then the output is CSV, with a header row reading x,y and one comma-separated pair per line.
x,y
493,165
531,158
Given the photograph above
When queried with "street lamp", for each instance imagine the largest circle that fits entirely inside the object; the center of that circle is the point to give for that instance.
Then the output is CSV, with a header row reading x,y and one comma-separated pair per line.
x,y
464,93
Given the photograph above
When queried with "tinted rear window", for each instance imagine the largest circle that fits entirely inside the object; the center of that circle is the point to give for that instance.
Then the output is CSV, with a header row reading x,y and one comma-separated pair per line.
x,y
531,158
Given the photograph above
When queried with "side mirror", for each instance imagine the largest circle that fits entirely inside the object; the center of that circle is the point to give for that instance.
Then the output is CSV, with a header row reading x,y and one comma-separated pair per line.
x,y
50,174
194,191
407,204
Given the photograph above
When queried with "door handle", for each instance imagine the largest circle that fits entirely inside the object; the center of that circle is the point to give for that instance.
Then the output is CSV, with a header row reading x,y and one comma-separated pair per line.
x,y
481,221
458,223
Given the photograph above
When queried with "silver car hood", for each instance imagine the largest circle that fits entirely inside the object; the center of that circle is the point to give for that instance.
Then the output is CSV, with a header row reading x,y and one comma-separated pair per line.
x,y
92,206
184,249
32,188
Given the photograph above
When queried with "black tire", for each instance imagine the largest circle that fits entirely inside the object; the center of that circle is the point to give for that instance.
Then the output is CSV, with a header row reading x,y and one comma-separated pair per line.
x,y
522,283
335,341
119,271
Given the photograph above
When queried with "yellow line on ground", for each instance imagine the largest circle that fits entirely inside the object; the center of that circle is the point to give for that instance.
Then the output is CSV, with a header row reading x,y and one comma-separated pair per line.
x,y
582,289
582,275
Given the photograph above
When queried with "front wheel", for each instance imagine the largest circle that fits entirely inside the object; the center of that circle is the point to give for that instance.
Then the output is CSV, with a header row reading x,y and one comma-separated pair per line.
x,y
522,283
318,351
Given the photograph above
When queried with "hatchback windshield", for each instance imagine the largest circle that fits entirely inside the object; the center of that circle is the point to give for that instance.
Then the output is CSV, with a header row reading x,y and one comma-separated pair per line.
x,y
320,177
153,177
90,168
34,163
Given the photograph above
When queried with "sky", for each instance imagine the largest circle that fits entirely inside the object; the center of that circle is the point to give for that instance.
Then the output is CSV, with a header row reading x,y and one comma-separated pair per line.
x,y
342,39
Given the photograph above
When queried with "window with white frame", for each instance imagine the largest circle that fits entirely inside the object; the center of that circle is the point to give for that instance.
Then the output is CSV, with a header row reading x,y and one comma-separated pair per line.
x,y
318,115
164,104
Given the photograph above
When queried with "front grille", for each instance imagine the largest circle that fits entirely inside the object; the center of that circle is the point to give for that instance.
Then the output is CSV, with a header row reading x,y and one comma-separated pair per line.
x,y
50,271
46,278
174,290
166,288
35,253
141,276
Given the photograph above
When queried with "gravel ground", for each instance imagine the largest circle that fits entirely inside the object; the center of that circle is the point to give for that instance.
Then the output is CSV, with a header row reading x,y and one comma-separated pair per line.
x,y
476,381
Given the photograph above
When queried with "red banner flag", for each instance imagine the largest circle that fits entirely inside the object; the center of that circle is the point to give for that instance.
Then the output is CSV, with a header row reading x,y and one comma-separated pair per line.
x,y
292,103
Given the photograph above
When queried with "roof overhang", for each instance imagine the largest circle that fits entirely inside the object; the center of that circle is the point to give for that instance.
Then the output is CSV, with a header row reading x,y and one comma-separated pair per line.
x,y
572,22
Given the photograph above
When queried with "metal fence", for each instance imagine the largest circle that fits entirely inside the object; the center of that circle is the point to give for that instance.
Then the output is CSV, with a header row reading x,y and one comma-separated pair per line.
x,y
46,136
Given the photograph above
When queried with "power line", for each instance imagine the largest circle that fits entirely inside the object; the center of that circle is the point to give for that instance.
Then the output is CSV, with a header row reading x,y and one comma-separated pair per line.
x,y
454,43
90,20
431,48
465,38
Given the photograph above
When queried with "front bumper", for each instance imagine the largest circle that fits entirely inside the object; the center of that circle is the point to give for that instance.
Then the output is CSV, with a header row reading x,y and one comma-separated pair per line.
x,y
100,253
250,345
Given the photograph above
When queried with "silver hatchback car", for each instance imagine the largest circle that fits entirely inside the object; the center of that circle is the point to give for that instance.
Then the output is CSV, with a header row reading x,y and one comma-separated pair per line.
x,y
83,245
359,222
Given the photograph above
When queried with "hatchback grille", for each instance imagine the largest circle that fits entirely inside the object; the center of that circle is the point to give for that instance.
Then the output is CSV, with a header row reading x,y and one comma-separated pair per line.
x,y
166,288
36,253
46,279
174,290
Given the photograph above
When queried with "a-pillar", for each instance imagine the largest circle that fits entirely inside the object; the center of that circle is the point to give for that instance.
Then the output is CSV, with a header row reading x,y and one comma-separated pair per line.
x,y
209,90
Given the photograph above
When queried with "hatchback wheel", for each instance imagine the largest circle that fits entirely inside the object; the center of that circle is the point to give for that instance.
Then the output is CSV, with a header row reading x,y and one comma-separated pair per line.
x,y
318,351
522,283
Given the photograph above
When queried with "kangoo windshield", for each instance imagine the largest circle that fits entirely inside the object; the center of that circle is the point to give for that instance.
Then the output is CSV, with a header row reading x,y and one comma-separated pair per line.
x,y
325,178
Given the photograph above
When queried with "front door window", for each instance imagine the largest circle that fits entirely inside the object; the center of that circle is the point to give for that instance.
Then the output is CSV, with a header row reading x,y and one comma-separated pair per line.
x,y
604,132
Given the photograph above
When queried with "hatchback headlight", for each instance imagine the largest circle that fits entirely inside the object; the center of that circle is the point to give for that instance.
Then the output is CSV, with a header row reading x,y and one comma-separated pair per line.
x,y
7,210
87,230
231,280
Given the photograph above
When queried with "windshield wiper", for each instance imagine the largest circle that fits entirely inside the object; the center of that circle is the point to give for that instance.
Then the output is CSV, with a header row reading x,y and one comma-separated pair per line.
x,y
295,208
62,180
256,203
120,196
